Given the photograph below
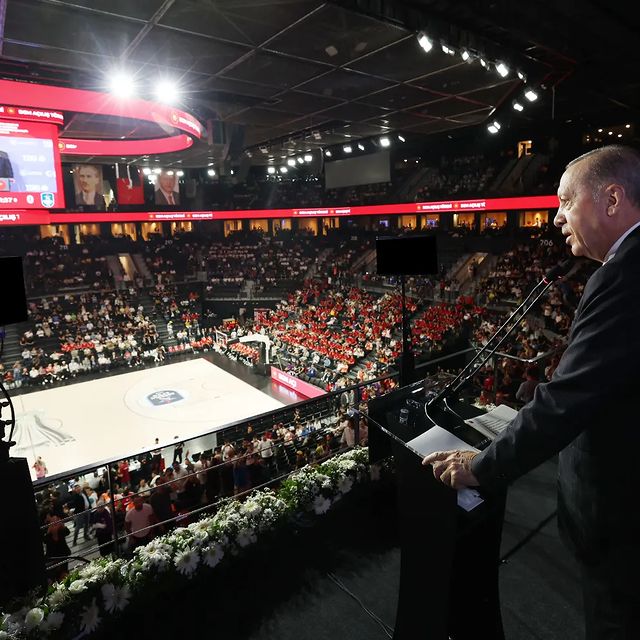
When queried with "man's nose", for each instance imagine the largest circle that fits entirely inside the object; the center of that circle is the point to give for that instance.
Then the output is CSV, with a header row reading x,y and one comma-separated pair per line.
x,y
559,219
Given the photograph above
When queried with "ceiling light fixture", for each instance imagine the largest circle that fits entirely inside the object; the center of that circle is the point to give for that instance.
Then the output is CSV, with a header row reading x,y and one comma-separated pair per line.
x,y
518,107
465,55
167,91
283,169
308,157
531,95
385,142
448,50
328,153
271,170
211,172
291,162
360,146
502,69
494,127
121,84
425,41
347,148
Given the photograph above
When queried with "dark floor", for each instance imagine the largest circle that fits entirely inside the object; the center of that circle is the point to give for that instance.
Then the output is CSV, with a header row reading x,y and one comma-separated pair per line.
x,y
539,585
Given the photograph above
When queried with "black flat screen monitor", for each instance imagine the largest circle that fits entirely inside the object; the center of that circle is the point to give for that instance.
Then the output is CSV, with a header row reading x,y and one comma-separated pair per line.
x,y
14,300
407,256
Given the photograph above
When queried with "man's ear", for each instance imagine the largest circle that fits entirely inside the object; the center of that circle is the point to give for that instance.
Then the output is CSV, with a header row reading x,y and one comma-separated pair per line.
x,y
615,196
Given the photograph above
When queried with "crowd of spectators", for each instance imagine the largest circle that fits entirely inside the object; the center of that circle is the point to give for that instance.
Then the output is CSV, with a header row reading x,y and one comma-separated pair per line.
x,y
53,265
83,333
157,491
467,175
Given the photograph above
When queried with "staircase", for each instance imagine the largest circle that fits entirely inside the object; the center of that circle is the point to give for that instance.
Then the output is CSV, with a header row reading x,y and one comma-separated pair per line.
x,y
161,324
12,349
117,272
142,268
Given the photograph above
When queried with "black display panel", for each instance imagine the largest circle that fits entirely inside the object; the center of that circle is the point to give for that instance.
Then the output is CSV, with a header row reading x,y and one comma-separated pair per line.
x,y
407,256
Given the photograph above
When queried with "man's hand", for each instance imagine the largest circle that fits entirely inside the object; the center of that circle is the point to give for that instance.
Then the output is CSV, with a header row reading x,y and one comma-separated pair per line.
x,y
453,468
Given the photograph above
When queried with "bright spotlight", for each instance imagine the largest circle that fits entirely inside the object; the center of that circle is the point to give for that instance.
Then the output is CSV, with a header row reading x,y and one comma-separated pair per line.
x,y
347,148
308,158
271,170
521,76
360,146
502,69
167,91
180,173
328,153
483,62
122,85
494,127
146,171
425,42
211,172
157,171
385,142
291,162
465,55
531,95
283,169
518,107
448,50
300,160
402,139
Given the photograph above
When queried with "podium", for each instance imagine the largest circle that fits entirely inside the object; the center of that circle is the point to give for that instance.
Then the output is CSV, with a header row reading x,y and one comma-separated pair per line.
x,y
449,557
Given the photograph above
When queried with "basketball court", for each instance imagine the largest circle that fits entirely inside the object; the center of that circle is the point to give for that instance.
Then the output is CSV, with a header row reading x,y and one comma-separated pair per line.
x,y
102,419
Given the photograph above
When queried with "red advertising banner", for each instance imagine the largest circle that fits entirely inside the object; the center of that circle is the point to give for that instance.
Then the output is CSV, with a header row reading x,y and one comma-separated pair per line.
x,y
455,206
30,170
44,97
299,386
37,115
78,147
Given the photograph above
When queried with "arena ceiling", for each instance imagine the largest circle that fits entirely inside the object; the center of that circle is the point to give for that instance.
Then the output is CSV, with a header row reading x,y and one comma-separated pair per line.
x,y
289,76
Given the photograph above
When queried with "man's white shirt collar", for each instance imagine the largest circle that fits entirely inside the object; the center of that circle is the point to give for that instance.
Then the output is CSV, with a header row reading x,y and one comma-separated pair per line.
x,y
618,242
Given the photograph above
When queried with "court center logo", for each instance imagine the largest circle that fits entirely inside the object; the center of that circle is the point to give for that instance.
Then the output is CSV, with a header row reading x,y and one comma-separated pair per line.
x,y
166,396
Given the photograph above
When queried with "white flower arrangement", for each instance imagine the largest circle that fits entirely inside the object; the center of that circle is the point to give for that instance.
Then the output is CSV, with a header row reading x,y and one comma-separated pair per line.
x,y
77,605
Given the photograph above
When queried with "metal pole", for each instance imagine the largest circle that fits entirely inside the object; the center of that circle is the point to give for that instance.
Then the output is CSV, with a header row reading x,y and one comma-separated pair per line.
x,y
116,546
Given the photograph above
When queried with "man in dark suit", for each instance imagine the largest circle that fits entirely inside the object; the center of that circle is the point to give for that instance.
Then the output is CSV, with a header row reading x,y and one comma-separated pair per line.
x,y
89,180
6,168
167,193
588,411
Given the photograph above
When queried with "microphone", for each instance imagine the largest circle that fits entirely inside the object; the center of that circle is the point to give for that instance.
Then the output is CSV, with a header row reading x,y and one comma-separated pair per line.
x,y
553,275
558,272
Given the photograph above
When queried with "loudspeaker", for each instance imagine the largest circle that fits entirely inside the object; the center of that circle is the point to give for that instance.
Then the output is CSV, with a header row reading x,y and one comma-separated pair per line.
x,y
407,256
14,298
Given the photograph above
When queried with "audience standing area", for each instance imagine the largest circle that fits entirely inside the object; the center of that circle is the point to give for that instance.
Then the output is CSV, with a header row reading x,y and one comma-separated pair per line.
x,y
75,425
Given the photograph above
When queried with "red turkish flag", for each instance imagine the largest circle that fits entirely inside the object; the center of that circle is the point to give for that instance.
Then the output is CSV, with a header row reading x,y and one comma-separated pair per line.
x,y
129,187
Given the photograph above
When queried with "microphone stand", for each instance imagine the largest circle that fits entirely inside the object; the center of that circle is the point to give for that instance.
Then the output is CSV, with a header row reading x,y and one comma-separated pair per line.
x,y
461,379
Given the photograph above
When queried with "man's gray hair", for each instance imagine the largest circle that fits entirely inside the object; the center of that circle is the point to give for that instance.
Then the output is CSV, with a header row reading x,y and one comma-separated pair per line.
x,y
613,163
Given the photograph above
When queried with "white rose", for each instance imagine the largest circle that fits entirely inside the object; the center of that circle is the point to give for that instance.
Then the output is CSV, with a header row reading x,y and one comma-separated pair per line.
x,y
77,586
33,618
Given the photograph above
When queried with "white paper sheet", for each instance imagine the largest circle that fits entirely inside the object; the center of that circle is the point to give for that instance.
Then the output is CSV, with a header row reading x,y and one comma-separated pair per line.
x,y
439,439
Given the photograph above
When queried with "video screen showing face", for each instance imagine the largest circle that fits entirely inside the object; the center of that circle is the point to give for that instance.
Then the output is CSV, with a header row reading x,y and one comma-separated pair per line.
x,y
87,183
167,191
